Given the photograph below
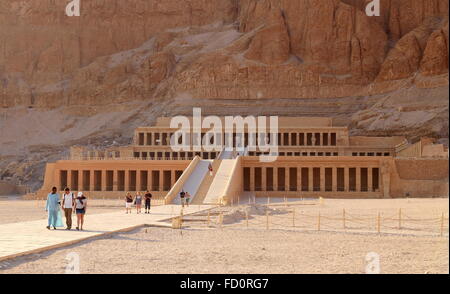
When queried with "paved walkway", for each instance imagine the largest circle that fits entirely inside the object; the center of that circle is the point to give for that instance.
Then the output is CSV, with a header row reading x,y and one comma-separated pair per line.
x,y
31,237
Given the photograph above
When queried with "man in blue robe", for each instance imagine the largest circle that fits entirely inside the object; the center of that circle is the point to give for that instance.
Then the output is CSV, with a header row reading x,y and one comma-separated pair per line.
x,y
53,208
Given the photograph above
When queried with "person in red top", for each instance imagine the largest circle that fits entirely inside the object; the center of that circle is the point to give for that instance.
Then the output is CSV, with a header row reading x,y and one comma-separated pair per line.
x,y
128,202
210,168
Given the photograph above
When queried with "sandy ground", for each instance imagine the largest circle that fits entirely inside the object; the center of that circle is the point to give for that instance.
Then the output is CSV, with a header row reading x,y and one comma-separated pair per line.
x,y
13,211
159,250
235,248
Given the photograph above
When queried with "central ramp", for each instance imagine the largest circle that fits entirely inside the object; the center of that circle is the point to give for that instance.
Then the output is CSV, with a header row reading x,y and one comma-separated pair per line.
x,y
221,186
194,181
221,180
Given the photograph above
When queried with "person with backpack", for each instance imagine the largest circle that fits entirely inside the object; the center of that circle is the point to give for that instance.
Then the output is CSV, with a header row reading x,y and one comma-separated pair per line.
x,y
68,202
148,199
80,208
182,194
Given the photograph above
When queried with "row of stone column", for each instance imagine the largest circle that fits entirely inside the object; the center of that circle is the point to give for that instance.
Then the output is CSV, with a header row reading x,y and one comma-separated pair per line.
x,y
307,139
97,180
163,155
284,139
154,139
373,183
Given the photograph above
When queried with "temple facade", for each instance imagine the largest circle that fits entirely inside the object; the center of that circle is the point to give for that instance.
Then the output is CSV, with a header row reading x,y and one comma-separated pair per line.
x,y
314,158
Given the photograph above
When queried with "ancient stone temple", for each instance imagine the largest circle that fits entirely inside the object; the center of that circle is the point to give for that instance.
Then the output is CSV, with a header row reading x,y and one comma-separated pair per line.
x,y
313,159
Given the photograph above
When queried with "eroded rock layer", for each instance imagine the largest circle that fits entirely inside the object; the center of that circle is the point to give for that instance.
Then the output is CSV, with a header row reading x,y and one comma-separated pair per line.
x,y
124,62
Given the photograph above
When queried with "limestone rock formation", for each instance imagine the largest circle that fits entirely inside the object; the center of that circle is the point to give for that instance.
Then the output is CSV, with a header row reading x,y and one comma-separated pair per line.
x,y
399,17
84,80
435,60
405,58
270,44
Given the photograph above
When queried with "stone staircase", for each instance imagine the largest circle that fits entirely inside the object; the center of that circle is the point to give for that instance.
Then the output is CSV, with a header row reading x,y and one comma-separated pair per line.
x,y
206,188
206,183
220,181
194,182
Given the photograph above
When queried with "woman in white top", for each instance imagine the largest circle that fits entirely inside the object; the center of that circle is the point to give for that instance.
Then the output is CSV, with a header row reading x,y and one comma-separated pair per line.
x,y
80,208
138,202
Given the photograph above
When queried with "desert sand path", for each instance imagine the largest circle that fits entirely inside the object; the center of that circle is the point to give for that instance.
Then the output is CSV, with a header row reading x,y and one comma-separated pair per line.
x,y
32,236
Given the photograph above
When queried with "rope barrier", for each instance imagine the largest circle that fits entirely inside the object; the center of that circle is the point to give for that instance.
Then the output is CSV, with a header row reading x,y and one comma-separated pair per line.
x,y
267,219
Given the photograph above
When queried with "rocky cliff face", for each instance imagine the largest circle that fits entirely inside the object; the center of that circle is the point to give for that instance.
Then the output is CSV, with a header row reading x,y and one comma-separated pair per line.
x,y
85,79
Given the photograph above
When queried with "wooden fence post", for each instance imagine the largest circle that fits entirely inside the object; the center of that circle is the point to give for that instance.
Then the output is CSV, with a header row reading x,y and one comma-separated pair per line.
x,y
378,222
318,222
293,217
181,218
246,217
343,218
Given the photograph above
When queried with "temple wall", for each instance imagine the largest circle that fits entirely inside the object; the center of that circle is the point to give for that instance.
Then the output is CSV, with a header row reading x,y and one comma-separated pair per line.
x,y
436,150
375,141
422,169
414,150
419,178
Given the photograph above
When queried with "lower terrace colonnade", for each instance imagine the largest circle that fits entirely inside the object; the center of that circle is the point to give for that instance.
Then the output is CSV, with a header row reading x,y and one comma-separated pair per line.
x,y
118,179
312,178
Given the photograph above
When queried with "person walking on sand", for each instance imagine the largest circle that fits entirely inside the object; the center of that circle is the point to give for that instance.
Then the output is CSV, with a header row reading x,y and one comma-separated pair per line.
x,y
182,194
148,200
128,202
80,208
52,208
67,204
138,202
